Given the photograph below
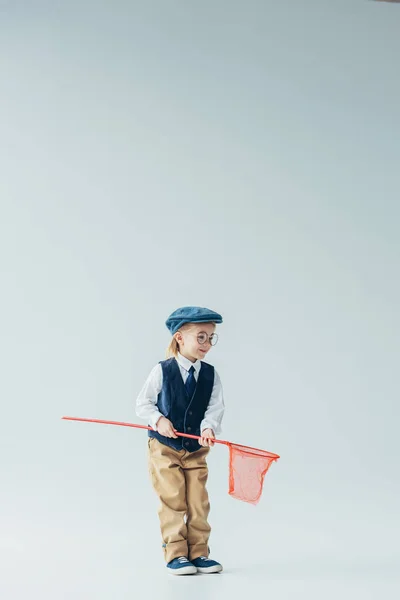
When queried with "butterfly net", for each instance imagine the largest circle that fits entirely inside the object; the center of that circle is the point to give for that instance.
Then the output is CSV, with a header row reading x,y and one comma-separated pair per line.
x,y
247,469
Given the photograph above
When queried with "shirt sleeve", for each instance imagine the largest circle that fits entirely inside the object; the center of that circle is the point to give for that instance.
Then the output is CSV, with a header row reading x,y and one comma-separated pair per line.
x,y
216,407
147,399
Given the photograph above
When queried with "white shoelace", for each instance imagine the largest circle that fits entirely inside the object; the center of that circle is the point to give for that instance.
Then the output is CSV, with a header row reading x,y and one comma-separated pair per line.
x,y
183,559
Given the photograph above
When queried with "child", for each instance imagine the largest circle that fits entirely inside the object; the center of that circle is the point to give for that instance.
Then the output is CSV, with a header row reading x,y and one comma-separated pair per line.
x,y
184,394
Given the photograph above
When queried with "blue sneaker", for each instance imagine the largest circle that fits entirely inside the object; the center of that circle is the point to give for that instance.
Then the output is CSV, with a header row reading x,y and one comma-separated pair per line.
x,y
181,566
206,565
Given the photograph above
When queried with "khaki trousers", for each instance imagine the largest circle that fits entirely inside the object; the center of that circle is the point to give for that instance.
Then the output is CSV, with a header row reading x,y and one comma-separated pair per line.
x,y
179,478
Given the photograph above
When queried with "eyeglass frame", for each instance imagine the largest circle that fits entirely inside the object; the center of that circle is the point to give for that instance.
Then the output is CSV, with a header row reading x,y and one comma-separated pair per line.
x,y
213,336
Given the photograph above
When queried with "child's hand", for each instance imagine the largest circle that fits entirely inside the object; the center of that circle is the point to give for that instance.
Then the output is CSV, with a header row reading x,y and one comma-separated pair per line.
x,y
207,438
165,427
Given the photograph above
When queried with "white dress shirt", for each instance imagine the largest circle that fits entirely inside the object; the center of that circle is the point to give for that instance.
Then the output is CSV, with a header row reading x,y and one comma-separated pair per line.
x,y
146,402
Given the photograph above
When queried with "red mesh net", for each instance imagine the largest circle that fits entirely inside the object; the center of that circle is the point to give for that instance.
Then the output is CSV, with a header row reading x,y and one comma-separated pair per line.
x,y
247,469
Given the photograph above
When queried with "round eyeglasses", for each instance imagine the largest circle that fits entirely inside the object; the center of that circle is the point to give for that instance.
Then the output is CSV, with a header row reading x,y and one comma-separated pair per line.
x,y
203,337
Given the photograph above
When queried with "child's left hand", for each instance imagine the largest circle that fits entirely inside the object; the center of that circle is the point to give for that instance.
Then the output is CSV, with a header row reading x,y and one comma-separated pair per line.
x,y
207,438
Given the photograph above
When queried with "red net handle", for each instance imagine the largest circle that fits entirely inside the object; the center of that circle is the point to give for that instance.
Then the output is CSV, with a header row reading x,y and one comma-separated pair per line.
x,y
187,435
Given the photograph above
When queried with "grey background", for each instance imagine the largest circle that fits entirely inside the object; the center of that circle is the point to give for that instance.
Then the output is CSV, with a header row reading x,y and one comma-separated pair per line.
x,y
238,155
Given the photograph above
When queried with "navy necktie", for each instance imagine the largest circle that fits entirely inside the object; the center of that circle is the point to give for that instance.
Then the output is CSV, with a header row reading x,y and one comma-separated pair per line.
x,y
190,383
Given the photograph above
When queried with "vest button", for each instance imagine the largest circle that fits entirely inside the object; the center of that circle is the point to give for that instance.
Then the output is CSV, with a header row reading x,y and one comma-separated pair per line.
x,y
189,428
187,444
190,412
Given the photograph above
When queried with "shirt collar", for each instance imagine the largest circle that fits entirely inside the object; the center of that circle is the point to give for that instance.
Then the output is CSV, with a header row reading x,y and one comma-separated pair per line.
x,y
186,363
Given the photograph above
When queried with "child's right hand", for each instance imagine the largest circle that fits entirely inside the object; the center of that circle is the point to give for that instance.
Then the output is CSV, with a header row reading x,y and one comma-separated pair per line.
x,y
165,427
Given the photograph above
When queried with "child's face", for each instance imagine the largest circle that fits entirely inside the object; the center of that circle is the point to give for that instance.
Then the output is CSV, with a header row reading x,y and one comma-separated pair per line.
x,y
191,342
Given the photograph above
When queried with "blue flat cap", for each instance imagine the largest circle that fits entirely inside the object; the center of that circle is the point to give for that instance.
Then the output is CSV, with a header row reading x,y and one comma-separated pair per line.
x,y
191,314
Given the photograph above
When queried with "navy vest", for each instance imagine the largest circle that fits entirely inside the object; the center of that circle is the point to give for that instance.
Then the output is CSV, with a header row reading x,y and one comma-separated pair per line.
x,y
174,403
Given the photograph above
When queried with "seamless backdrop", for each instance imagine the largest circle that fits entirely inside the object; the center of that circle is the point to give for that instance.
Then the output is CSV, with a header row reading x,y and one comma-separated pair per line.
x,y
237,155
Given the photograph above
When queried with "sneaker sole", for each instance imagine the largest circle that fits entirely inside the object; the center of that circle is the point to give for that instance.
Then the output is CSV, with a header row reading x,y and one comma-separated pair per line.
x,y
183,571
214,569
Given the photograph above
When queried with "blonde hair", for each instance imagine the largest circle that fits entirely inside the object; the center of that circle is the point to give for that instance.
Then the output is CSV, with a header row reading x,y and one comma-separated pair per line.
x,y
173,348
